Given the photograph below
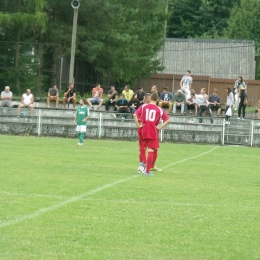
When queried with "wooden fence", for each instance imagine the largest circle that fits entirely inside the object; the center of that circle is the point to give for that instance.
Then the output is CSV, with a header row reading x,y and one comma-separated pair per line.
x,y
172,81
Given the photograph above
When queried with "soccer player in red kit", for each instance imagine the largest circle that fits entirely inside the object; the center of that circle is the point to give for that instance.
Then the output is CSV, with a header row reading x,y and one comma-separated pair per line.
x,y
150,116
142,142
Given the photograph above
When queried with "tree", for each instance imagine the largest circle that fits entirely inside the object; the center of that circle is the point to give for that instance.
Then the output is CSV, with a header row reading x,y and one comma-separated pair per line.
x,y
19,21
244,24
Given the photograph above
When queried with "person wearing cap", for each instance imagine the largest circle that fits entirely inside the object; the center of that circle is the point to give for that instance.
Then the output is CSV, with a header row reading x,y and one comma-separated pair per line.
x,y
243,102
140,95
166,99
179,100
6,97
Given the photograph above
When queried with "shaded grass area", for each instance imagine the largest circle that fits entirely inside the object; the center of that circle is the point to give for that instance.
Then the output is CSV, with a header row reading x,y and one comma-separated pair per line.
x,y
61,201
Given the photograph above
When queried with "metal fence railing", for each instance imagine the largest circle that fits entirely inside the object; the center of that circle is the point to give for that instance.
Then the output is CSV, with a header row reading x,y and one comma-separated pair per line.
x,y
189,129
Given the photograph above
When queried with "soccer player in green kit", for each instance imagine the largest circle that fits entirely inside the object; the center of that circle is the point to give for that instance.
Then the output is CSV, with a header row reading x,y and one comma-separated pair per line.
x,y
81,118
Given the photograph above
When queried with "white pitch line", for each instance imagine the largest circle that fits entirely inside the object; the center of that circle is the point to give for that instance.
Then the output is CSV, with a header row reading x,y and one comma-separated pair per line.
x,y
79,197
61,204
190,158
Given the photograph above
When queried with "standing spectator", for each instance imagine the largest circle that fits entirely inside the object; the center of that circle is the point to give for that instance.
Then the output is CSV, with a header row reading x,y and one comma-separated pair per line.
x,y
122,106
243,102
214,102
179,101
97,97
148,117
191,104
69,96
53,95
134,104
186,83
202,101
140,95
230,102
128,93
6,97
239,82
112,98
27,100
81,117
166,99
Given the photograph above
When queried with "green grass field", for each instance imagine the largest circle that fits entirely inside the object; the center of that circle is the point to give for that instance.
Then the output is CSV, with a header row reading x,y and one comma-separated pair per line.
x,y
61,201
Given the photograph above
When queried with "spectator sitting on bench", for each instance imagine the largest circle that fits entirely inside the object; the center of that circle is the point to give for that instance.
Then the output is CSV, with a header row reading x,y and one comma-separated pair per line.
x,y
122,106
154,90
214,102
69,95
128,93
6,97
134,104
112,98
166,99
53,95
191,104
179,100
140,95
97,97
27,100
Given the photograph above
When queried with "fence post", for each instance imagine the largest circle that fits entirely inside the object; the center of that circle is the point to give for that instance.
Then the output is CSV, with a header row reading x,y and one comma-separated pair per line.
x,y
223,132
39,122
252,132
100,125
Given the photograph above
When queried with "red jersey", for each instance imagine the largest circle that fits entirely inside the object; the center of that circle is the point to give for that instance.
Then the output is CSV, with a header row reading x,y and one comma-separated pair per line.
x,y
150,115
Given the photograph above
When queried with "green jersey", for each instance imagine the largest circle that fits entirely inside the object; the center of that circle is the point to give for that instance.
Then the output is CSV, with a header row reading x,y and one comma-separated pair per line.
x,y
82,113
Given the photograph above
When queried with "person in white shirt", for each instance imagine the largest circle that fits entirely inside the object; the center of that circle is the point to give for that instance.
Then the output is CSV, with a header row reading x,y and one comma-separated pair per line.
x,y
6,97
186,83
230,102
202,101
27,100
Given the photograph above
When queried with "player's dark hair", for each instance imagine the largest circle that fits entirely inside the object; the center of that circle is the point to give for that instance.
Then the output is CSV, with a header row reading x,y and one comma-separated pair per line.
x,y
189,71
154,97
165,88
240,77
84,100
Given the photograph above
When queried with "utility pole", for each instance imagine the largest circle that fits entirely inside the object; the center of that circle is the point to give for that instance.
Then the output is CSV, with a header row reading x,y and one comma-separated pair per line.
x,y
75,5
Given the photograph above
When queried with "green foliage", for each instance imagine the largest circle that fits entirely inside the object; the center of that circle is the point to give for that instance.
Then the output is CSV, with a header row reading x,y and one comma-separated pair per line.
x,y
202,18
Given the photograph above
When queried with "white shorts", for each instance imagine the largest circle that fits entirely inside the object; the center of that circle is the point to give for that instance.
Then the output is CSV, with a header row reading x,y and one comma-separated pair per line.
x,y
81,128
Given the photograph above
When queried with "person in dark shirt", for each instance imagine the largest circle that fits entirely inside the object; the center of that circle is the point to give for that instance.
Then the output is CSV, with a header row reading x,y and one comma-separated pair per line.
x,y
112,98
134,104
140,95
122,106
214,102
69,96
243,102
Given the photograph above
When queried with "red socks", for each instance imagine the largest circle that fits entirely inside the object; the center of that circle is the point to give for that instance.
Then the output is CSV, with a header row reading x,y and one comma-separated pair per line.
x,y
142,154
149,161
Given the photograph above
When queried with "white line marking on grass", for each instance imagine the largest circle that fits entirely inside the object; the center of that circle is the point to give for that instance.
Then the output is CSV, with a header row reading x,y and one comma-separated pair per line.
x,y
190,158
61,204
79,197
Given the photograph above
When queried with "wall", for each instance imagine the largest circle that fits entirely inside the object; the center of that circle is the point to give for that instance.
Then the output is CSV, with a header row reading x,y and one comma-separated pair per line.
x,y
218,58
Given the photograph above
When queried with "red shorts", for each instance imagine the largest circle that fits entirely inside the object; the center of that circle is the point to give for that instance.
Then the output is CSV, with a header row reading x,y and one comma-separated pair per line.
x,y
152,143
